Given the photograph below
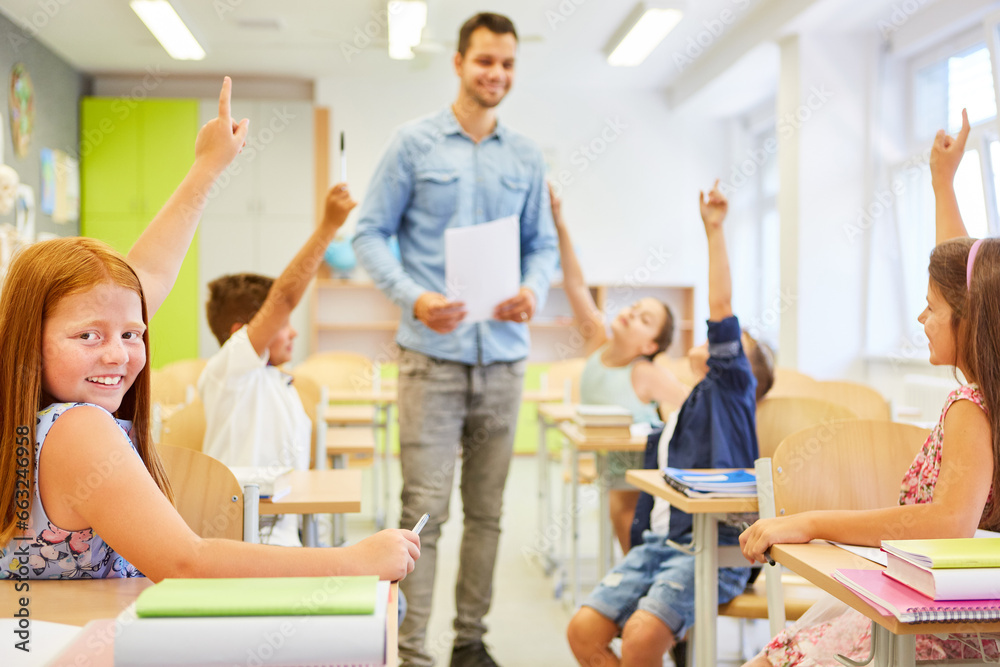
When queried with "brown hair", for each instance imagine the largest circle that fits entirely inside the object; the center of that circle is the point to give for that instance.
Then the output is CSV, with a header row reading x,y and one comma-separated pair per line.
x,y
975,323
233,299
761,358
666,335
495,23
41,276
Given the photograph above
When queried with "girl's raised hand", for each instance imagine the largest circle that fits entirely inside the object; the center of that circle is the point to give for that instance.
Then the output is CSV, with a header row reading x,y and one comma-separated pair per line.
x,y
947,152
556,206
222,138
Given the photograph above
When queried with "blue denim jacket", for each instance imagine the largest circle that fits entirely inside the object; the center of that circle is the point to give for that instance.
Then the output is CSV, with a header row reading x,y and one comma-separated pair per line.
x,y
434,176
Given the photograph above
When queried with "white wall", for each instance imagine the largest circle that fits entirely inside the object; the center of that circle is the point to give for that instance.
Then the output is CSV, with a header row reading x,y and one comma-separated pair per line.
x,y
631,167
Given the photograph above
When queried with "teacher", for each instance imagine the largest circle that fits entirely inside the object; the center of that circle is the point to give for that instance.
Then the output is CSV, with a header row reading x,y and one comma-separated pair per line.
x,y
459,382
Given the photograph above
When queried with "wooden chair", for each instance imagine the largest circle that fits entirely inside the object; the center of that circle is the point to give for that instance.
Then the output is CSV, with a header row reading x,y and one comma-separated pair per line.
x,y
208,497
780,416
790,382
851,464
866,402
184,426
175,383
565,376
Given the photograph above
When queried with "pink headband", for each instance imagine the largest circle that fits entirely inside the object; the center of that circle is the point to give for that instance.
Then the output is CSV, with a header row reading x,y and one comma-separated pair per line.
x,y
969,263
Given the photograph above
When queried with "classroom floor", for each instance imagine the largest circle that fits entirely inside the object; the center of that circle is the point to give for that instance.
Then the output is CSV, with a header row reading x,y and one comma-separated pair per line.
x,y
527,623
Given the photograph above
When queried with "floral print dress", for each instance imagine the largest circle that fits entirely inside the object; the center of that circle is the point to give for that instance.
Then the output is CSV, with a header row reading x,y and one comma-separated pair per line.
x,y
45,551
849,632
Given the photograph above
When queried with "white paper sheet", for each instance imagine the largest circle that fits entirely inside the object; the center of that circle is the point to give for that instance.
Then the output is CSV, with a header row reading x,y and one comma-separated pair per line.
x,y
482,265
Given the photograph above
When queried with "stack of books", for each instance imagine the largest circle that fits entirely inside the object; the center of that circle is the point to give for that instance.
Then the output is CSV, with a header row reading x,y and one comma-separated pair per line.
x,y
711,484
603,422
933,580
284,621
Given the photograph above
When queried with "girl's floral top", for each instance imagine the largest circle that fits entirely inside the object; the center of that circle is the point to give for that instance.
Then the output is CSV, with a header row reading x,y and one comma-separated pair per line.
x,y
45,551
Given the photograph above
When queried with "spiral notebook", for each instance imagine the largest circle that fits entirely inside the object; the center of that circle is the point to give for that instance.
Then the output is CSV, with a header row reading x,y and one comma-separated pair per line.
x,y
892,598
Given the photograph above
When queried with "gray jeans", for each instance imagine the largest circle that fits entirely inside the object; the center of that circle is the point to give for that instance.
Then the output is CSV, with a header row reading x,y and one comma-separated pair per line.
x,y
447,408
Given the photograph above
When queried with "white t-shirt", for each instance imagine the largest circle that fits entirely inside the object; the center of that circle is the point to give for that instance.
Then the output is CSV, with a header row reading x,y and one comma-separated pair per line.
x,y
254,416
659,518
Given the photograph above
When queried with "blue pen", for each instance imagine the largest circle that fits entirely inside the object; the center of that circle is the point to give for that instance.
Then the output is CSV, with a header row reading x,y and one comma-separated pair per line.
x,y
420,524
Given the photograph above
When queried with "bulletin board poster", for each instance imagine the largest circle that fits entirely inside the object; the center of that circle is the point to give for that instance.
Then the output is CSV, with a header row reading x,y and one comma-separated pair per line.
x,y
47,196
22,109
67,191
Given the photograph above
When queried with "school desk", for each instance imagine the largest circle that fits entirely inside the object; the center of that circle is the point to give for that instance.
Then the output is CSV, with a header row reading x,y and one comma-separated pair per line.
x,y
894,642
577,444
708,555
316,492
550,415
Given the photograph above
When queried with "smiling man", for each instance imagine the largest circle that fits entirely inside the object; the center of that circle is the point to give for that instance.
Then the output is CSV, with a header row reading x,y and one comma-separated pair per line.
x,y
460,382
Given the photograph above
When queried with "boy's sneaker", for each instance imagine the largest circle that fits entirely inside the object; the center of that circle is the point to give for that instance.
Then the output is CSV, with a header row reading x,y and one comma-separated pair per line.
x,y
471,655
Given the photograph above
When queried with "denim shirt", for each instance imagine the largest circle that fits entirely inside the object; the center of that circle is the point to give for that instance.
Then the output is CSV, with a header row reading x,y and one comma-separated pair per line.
x,y
434,177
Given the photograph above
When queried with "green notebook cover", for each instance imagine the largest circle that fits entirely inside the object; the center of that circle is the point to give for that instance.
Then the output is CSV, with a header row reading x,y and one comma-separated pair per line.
x,y
269,596
953,553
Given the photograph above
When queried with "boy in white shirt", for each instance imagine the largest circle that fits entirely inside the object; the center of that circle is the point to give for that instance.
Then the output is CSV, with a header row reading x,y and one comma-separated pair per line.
x,y
253,414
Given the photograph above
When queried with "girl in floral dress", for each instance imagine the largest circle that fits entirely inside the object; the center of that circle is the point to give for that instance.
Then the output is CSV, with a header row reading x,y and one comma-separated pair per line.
x,y
949,489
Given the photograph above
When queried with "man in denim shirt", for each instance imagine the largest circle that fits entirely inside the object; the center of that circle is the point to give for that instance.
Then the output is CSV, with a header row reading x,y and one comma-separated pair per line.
x,y
460,383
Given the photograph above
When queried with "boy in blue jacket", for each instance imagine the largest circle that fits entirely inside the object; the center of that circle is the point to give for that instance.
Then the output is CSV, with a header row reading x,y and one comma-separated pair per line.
x,y
649,596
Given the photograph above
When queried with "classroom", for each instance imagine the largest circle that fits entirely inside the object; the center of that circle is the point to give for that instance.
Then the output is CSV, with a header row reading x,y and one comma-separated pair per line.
x,y
812,127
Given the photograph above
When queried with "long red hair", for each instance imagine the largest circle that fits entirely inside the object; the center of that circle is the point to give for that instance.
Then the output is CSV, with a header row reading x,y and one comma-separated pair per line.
x,y
40,276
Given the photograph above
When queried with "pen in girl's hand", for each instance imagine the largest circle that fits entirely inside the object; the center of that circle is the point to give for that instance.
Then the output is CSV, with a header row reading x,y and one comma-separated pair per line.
x,y
767,552
423,520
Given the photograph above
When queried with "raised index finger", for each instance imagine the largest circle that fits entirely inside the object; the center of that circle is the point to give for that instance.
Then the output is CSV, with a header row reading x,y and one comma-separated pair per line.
x,y
963,134
224,96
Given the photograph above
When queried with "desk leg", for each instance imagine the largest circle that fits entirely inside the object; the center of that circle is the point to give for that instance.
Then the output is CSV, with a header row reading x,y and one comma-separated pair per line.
x,y
309,532
706,587
604,548
387,465
378,463
544,505
339,527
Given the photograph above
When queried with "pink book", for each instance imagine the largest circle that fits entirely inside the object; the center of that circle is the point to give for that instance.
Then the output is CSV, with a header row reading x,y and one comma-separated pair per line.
x,y
891,598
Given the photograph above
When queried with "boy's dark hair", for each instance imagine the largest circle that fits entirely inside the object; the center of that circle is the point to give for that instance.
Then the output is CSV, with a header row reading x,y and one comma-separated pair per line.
x,y
495,23
666,335
761,358
235,298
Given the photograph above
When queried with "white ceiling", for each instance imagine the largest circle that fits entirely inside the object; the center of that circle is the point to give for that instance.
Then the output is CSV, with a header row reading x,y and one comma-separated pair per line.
x,y
562,40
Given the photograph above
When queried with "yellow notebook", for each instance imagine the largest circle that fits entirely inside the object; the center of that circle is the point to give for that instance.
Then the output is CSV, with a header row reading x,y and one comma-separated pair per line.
x,y
960,552
268,596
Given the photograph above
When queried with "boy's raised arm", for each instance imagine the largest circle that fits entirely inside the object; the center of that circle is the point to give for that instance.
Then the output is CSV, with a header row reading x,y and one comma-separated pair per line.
x,y
720,284
160,249
946,154
288,289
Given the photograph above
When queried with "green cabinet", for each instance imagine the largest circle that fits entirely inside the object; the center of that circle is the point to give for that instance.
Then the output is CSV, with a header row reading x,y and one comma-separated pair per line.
x,y
133,155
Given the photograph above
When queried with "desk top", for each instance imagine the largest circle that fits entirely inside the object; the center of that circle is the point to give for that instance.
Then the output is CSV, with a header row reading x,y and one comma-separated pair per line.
x,y
651,481
318,492
73,602
556,412
541,396
384,395
817,561
580,441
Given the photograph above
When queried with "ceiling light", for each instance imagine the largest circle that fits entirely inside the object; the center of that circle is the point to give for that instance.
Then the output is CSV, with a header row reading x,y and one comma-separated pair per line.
x,y
407,19
644,29
168,29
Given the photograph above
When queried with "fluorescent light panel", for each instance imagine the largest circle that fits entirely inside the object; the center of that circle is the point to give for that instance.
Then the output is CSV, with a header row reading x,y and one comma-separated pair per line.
x,y
168,29
407,19
644,36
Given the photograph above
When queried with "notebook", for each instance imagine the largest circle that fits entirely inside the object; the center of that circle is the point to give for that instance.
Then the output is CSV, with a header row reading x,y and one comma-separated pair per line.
x,y
960,552
892,598
711,483
268,596
261,641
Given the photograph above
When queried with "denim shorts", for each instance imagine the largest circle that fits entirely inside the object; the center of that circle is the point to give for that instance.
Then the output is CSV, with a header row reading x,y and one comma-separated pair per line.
x,y
660,580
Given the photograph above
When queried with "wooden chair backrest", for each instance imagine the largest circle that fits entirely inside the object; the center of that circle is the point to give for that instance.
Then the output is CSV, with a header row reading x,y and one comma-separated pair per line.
x,y
338,371
170,383
866,402
852,464
790,382
185,427
206,493
780,416
309,394
561,371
